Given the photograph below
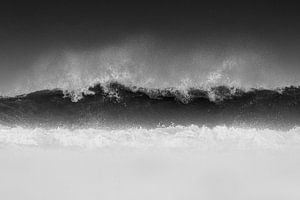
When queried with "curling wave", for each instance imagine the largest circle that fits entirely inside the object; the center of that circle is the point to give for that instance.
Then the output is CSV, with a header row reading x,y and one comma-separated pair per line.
x,y
115,106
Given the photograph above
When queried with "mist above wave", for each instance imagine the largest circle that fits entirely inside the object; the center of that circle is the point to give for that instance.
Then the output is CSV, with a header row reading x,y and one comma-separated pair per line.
x,y
150,63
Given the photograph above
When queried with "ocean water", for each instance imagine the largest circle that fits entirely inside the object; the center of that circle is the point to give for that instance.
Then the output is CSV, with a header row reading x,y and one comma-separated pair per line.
x,y
175,162
201,105
139,122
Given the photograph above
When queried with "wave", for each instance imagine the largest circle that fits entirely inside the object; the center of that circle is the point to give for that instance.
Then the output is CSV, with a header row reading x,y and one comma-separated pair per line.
x,y
115,106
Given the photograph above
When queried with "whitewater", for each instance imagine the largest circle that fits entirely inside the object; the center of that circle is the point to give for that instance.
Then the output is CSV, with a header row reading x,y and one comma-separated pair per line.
x,y
174,162
192,138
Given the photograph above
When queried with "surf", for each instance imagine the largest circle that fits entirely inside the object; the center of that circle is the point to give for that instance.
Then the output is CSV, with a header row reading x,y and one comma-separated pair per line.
x,y
119,106
187,138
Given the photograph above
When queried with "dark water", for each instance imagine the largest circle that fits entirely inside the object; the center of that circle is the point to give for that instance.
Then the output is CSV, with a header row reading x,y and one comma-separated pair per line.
x,y
120,106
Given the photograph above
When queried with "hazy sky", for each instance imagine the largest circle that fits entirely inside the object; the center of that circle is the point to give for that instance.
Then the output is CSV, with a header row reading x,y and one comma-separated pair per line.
x,y
167,34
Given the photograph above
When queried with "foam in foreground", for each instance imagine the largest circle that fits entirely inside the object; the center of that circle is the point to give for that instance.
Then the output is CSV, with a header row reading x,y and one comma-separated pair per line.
x,y
179,162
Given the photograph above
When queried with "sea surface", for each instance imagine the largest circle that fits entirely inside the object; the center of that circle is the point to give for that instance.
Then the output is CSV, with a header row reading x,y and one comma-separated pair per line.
x,y
118,142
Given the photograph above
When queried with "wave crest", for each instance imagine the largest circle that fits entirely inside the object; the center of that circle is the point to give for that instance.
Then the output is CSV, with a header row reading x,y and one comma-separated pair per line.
x,y
150,63
116,105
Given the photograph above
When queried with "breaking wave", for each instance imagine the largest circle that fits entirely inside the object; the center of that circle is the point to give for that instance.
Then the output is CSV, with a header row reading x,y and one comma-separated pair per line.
x,y
118,106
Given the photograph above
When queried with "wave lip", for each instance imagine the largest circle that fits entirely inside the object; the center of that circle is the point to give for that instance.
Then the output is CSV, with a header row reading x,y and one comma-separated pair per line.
x,y
116,105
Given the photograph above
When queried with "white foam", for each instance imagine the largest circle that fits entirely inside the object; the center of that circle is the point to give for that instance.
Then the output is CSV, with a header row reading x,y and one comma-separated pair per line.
x,y
190,137
173,163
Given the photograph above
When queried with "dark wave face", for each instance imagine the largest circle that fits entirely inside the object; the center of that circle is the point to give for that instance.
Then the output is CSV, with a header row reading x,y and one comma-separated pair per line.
x,y
116,105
